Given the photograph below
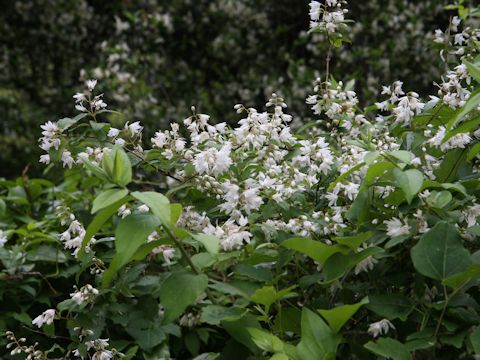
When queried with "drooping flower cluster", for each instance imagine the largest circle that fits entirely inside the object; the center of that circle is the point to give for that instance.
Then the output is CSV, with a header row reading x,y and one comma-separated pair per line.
x,y
329,16
85,295
46,317
85,102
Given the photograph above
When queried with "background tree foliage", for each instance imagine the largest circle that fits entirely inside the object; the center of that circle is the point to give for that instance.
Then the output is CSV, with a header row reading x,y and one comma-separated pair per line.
x,y
159,57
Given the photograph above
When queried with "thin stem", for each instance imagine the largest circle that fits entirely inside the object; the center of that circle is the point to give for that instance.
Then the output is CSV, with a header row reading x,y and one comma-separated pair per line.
x,y
187,257
447,299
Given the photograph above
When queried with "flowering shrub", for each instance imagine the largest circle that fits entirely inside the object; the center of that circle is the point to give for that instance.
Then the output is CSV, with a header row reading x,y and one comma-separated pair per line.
x,y
352,237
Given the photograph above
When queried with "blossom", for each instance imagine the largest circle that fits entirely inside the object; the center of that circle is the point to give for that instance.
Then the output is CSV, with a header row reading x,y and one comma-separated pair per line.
x,y
315,9
212,161
102,355
91,84
46,317
380,328
113,132
123,211
395,227
3,239
134,128
67,158
45,159
85,294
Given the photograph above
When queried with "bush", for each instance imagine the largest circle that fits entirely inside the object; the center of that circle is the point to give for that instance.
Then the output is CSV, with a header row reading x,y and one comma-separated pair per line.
x,y
353,236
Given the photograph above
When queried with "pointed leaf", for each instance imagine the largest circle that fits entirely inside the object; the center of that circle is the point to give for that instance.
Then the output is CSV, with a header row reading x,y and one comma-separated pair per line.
x,y
338,316
180,290
108,198
440,253
130,234
318,340
158,204
210,242
389,348
410,181
312,248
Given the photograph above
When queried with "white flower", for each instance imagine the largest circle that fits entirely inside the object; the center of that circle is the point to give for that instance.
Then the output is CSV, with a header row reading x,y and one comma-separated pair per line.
x,y
97,344
315,9
79,97
159,140
46,317
380,327
3,238
251,200
367,264
120,142
91,84
212,161
85,294
45,159
50,128
395,227
123,211
168,254
67,159
103,355
143,208
134,128
113,132
81,108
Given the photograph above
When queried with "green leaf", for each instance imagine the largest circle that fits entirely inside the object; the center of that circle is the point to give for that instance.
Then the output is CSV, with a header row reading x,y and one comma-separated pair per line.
x,y
359,210
312,248
145,332
238,330
376,170
267,295
175,212
460,114
452,163
65,123
117,166
439,199
210,242
389,348
474,150
108,198
337,265
96,170
465,127
475,340
215,314
338,316
473,70
344,175
353,241
180,290
459,280
158,204
410,181
318,340
440,253
266,341
98,221
47,253
130,234
402,155
391,306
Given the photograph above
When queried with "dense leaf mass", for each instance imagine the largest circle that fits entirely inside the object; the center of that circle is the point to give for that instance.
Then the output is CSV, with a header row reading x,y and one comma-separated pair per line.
x,y
344,230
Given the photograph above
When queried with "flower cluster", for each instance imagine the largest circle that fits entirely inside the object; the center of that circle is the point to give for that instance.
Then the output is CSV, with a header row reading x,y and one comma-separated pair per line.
x,y
329,16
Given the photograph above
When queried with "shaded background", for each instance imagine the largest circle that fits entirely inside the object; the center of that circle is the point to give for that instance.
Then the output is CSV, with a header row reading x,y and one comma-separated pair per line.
x,y
154,59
